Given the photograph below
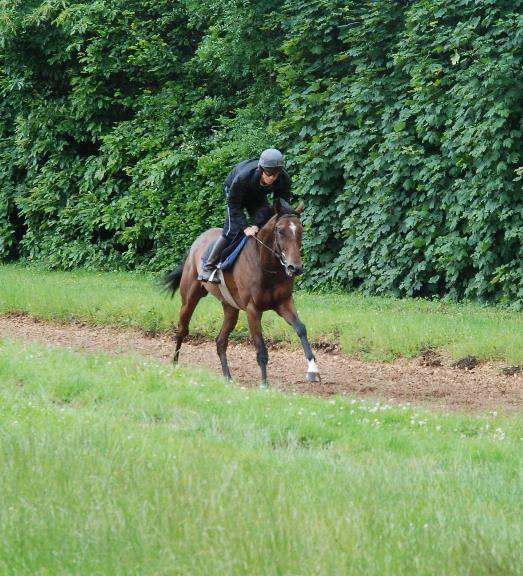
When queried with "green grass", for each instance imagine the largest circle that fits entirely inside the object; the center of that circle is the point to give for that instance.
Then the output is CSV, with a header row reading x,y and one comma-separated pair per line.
x,y
117,466
368,327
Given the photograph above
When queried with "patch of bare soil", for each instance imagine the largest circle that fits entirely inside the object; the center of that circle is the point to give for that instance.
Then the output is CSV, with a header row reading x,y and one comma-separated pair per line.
x,y
429,379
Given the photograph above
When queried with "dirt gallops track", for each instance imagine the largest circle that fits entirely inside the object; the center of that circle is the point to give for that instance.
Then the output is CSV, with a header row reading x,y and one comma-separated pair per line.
x,y
484,387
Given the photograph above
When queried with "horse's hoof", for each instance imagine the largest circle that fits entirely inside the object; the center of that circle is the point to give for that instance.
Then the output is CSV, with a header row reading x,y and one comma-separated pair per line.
x,y
264,385
313,377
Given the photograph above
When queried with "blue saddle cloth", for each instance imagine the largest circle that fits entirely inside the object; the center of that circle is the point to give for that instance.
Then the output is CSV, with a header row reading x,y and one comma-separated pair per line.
x,y
232,251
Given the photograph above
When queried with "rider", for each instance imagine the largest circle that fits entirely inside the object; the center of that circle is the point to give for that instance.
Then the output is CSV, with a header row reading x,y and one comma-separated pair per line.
x,y
247,187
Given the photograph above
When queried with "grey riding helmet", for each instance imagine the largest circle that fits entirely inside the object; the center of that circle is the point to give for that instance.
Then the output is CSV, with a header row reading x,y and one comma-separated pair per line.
x,y
271,159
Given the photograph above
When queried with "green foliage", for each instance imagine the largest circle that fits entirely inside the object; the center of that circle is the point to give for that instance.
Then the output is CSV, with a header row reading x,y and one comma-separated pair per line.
x,y
122,150
401,123
408,119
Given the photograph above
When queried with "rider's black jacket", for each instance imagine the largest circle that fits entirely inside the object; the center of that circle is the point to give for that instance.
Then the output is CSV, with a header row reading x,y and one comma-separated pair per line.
x,y
244,192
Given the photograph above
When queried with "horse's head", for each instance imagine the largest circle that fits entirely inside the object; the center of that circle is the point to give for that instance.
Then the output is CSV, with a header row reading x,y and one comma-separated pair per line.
x,y
287,236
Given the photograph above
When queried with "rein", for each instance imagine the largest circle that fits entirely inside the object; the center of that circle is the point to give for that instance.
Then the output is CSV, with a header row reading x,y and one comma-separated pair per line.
x,y
280,255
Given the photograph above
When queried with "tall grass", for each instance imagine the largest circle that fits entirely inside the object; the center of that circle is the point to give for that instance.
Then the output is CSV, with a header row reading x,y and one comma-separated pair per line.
x,y
123,467
369,327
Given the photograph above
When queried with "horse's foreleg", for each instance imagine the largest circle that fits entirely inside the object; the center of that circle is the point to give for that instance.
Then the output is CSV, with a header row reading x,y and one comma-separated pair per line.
x,y
287,311
255,329
230,317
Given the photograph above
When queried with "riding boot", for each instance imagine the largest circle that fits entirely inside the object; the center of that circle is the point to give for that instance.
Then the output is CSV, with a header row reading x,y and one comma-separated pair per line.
x,y
209,266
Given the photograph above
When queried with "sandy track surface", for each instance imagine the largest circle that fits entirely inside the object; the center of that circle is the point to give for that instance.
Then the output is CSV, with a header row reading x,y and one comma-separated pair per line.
x,y
418,381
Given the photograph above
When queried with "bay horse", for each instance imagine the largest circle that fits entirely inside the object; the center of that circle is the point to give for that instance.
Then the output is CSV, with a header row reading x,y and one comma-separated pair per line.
x,y
261,279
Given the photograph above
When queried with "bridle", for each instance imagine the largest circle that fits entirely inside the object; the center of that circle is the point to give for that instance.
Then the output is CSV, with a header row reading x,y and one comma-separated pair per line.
x,y
277,251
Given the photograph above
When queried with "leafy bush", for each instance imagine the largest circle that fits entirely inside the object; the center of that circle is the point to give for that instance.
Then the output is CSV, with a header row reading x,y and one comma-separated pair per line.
x,y
402,125
408,120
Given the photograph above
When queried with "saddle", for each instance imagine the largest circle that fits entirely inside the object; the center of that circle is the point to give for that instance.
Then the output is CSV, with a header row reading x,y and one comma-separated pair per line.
x,y
227,259
229,254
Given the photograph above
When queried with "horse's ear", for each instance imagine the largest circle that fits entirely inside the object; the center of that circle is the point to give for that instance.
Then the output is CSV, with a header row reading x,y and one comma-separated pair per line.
x,y
300,208
281,206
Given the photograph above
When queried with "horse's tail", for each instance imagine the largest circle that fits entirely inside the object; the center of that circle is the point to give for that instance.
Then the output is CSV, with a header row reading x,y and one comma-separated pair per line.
x,y
172,279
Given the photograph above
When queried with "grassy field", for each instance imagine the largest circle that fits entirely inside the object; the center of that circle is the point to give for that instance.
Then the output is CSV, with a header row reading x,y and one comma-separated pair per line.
x,y
368,327
126,467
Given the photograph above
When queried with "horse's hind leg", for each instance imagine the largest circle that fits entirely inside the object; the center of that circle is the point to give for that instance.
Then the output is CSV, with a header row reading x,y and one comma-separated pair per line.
x,y
190,299
230,317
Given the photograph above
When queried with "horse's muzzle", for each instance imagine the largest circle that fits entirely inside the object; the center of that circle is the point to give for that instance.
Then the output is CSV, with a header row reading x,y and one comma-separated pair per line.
x,y
292,270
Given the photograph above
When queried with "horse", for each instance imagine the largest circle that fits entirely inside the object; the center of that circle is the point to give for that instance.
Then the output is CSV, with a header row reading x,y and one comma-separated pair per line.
x,y
261,279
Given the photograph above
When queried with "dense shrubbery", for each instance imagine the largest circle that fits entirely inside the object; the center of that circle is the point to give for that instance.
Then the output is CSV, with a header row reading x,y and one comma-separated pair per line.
x,y
402,122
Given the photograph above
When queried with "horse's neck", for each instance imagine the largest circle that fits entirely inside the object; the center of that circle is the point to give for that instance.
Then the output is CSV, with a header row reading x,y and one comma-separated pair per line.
x,y
272,273
267,257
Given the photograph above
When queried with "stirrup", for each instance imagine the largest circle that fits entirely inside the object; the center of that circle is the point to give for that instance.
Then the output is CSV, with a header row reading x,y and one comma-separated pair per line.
x,y
212,277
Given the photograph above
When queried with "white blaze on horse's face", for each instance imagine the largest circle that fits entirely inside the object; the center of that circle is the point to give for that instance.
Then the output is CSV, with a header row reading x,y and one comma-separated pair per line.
x,y
292,226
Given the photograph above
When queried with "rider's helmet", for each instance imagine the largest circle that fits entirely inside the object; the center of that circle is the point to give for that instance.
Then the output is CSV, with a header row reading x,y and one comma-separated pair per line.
x,y
271,159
